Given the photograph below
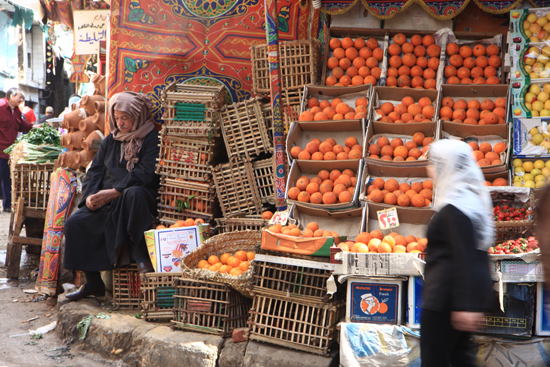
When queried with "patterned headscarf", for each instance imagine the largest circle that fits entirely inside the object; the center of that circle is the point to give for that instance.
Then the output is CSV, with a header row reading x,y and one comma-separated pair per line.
x,y
459,182
138,106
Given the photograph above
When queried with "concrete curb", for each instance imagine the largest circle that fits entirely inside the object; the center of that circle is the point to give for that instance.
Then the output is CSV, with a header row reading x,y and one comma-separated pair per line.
x,y
140,343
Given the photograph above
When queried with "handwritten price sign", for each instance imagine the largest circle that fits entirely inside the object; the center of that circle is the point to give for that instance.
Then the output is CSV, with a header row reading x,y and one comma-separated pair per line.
x,y
388,218
280,217
90,27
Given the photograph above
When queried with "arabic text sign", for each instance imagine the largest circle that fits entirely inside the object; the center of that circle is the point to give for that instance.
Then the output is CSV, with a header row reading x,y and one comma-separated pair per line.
x,y
90,27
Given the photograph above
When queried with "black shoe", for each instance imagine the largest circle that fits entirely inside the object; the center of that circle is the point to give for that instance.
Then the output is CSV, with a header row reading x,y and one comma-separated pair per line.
x,y
83,293
145,267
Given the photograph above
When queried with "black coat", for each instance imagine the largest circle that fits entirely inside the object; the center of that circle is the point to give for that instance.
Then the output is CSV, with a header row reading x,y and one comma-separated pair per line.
x,y
113,235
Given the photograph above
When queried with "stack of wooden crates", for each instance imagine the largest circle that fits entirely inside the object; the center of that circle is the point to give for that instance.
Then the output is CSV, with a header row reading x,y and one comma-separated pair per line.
x,y
291,307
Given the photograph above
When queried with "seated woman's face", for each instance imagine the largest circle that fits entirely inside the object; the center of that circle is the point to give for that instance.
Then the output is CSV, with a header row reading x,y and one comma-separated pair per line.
x,y
123,121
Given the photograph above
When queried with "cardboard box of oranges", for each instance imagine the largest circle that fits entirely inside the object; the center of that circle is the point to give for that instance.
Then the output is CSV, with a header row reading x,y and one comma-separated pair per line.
x,y
350,222
394,182
329,185
403,106
502,178
325,141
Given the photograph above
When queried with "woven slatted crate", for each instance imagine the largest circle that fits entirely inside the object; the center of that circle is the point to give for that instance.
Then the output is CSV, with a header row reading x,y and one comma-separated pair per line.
x,y
264,176
309,327
241,222
284,277
212,98
291,102
236,188
512,230
299,64
244,130
127,288
183,157
209,307
32,182
203,205
158,300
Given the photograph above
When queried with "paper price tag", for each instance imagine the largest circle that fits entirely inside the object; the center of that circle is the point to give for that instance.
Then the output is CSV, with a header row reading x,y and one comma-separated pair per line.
x,y
280,217
388,218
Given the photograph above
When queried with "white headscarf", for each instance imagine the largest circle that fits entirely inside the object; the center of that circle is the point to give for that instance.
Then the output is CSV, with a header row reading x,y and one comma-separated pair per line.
x,y
459,182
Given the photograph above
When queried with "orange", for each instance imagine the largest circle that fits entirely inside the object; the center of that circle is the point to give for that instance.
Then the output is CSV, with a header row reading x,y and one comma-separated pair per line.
x,y
304,196
213,260
394,49
332,62
400,38
241,255
233,262
293,193
160,226
334,43
347,42
372,43
329,198
452,49
202,264
428,40
339,53
334,174
224,257
224,269
384,247
236,272
465,51
244,266
330,81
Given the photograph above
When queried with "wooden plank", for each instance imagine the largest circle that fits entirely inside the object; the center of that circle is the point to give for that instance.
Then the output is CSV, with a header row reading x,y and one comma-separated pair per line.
x,y
27,240
13,254
35,213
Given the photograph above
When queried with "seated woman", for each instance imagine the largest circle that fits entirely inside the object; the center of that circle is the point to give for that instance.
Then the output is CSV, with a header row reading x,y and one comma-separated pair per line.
x,y
119,197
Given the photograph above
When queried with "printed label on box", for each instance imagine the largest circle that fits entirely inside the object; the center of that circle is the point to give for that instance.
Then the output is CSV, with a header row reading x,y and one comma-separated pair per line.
x,y
388,218
520,267
374,303
280,217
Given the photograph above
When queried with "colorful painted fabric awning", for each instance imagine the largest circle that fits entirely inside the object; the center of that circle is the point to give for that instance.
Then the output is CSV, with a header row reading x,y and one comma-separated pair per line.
x,y
439,9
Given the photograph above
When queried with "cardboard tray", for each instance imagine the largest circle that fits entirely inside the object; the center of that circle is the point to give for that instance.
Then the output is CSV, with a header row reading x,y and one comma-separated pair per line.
x,y
522,147
347,223
401,174
303,132
395,95
403,131
502,174
491,134
347,94
538,192
340,33
312,168
518,90
478,92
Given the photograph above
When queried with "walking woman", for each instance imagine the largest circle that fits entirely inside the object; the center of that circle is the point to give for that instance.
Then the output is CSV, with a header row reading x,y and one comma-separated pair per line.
x,y
458,283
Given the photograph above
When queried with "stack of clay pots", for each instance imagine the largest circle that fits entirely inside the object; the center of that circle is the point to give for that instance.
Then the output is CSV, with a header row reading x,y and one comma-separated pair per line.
x,y
84,124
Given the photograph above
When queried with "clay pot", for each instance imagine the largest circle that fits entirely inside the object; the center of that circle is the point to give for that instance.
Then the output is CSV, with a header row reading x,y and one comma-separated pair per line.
x,y
87,125
86,156
72,119
70,159
99,120
60,160
87,144
65,141
100,106
88,103
75,139
99,83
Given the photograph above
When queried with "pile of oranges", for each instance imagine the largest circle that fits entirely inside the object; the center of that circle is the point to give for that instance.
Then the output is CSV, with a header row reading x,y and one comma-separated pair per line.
x,y
413,64
473,112
397,150
497,182
354,62
235,264
183,223
477,65
328,150
311,230
408,111
334,110
327,188
376,242
487,155
417,194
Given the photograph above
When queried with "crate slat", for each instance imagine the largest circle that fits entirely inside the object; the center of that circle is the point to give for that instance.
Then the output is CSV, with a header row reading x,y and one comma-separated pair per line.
x,y
127,288
292,324
244,129
241,222
291,102
264,174
208,307
236,188
32,182
158,301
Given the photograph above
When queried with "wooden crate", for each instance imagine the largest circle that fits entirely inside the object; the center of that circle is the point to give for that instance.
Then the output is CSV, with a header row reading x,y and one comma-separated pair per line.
x,y
244,130
212,98
284,277
512,230
299,65
264,176
203,205
291,102
183,157
127,288
209,307
32,182
309,327
241,222
158,301
236,188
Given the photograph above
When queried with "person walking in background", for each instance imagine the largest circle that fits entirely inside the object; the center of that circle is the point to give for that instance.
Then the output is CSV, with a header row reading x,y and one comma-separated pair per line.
x,y
457,287
11,123
27,112
49,115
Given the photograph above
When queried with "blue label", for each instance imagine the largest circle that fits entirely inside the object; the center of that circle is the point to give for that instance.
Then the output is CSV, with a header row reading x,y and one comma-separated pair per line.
x,y
545,321
418,285
374,303
517,136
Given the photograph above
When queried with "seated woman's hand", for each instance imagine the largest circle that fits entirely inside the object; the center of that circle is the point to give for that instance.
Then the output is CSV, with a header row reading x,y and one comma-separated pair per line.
x,y
101,198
